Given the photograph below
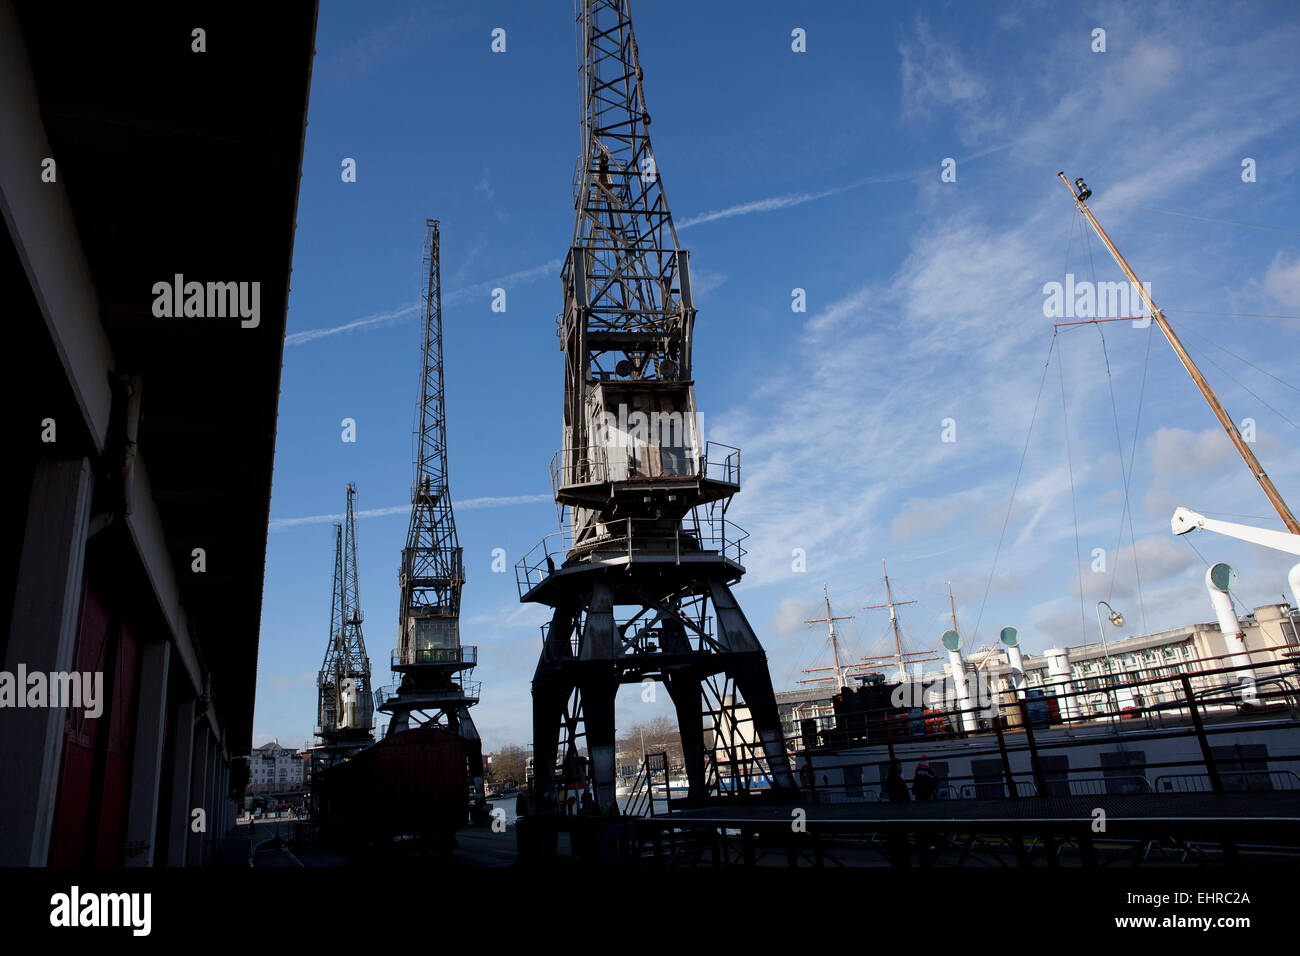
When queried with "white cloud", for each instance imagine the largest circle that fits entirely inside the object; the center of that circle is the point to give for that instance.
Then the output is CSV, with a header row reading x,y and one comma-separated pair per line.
x,y
1282,281
933,74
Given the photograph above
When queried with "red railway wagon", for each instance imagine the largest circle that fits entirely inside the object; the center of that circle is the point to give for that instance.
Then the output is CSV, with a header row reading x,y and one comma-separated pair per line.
x,y
412,783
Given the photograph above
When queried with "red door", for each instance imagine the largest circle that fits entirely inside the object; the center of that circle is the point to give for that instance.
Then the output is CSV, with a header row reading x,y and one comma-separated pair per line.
x,y
93,780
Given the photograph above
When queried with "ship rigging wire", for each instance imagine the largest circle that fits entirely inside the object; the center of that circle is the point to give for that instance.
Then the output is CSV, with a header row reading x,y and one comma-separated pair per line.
x,y
1183,215
1014,488
1126,469
1244,387
1126,472
1210,341
1074,506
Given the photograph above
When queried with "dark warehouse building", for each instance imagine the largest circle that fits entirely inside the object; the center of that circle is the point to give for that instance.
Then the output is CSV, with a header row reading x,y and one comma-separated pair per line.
x,y
141,436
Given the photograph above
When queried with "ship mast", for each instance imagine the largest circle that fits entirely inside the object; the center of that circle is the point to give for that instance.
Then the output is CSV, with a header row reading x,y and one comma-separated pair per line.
x,y
1080,195
893,620
840,670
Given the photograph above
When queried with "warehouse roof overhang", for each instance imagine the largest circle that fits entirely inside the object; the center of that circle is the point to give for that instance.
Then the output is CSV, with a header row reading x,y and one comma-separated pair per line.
x,y
183,166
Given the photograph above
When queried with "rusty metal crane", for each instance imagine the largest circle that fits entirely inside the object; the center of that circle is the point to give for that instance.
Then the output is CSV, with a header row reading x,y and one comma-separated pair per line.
x,y
639,577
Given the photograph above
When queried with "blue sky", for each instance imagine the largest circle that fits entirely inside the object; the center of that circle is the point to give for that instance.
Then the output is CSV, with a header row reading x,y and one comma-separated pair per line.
x,y
817,170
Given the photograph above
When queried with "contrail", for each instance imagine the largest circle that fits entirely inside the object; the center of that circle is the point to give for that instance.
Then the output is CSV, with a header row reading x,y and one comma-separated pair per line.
x,y
770,204
310,335
758,205
798,199
469,504
515,278
452,298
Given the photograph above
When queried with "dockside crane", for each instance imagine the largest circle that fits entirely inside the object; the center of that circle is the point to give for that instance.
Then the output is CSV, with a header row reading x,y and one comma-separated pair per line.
x,y
639,580
345,704
431,663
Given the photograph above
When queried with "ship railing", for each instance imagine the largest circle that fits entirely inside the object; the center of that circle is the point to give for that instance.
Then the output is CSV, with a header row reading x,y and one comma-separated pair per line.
x,y
1055,780
1254,780
1056,777
1208,697
1070,785
1188,690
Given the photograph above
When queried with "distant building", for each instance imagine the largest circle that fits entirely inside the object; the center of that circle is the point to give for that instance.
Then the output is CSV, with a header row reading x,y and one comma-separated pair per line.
x,y
1271,632
795,706
272,768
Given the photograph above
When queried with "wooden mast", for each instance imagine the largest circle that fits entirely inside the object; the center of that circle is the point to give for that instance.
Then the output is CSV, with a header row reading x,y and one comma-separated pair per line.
x,y
893,618
1216,406
901,657
829,621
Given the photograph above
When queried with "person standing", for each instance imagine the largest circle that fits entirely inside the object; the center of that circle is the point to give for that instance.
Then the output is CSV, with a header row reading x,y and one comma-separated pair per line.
x,y
924,784
895,785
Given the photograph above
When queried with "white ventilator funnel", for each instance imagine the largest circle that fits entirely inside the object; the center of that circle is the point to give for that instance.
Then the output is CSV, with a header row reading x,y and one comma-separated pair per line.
x,y
969,720
1011,641
1058,671
1219,580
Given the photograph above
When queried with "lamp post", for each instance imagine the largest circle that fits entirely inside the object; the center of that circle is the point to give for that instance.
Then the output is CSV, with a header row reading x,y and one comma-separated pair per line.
x,y
1116,619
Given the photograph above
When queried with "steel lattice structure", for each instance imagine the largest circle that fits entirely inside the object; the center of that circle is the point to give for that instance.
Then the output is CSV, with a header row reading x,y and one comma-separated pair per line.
x,y
644,590
345,711
430,660
432,570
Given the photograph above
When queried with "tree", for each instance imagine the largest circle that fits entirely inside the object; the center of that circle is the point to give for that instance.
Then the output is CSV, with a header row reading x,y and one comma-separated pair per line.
x,y
660,735
508,765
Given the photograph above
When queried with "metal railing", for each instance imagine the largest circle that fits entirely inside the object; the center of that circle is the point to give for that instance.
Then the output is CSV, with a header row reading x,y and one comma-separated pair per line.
x,y
465,655
1069,785
459,688
721,463
648,640
1204,703
1212,691
1230,778
702,531
636,461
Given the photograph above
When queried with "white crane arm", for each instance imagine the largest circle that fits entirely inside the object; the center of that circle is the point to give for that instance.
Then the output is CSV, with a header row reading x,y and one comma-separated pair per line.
x,y
1185,520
